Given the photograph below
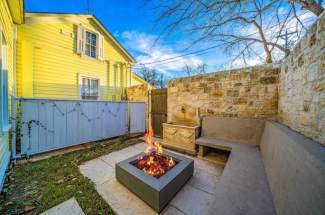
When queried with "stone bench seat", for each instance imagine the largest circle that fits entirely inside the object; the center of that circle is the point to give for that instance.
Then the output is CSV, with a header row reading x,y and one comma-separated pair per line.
x,y
243,187
206,142
271,169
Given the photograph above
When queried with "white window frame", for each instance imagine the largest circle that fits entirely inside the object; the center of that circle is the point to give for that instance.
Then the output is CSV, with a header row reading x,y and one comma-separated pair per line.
x,y
80,83
4,111
96,46
81,43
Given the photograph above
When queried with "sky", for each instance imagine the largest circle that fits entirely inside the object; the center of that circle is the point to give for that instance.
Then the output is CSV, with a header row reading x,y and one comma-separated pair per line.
x,y
132,22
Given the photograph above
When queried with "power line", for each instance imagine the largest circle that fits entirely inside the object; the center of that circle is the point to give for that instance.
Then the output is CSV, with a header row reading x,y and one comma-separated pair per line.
x,y
196,53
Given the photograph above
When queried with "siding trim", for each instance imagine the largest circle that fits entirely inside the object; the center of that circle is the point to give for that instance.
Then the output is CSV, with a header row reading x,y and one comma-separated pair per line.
x,y
4,167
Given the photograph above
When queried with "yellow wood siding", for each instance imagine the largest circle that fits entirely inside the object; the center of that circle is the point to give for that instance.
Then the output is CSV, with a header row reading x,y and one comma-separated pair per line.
x,y
7,27
136,80
48,65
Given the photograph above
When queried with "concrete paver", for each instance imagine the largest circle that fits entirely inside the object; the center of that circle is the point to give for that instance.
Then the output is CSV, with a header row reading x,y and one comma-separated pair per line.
x,y
69,207
193,199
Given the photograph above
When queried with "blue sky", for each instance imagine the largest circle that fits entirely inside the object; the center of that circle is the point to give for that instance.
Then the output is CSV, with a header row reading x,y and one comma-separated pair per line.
x,y
132,23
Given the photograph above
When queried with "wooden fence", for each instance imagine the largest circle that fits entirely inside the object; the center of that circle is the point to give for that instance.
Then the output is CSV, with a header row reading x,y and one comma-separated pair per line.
x,y
45,125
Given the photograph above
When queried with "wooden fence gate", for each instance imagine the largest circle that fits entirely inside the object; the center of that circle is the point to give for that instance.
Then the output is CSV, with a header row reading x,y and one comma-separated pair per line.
x,y
158,110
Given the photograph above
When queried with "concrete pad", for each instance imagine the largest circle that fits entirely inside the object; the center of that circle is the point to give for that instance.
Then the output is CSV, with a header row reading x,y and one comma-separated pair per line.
x,y
131,151
141,146
69,207
208,167
192,201
113,158
172,211
123,201
97,171
204,181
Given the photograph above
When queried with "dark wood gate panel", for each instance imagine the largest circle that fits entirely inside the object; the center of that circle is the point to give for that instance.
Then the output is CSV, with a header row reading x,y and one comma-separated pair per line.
x,y
158,110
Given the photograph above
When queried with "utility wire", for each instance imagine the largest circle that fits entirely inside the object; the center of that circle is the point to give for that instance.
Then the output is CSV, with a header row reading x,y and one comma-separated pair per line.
x,y
199,52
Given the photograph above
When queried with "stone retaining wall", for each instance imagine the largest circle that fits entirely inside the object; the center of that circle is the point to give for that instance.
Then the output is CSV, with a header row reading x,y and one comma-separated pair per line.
x,y
248,92
302,85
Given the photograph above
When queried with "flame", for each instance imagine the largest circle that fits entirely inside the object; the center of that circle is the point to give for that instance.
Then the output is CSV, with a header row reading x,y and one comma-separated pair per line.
x,y
154,162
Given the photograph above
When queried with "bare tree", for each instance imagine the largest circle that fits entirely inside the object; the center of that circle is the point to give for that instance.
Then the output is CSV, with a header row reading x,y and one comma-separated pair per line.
x,y
153,77
242,27
149,75
198,70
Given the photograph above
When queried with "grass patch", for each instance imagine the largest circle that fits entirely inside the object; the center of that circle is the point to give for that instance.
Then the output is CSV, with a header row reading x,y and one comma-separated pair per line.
x,y
35,187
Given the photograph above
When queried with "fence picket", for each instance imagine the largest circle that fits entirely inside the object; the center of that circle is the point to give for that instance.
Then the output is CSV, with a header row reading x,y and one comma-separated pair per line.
x,y
53,124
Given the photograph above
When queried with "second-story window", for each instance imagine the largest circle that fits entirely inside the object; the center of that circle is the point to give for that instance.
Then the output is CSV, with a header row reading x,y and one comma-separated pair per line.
x,y
91,44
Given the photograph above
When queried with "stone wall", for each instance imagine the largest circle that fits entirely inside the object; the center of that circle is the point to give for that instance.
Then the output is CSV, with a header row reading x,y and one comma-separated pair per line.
x,y
248,92
138,93
302,85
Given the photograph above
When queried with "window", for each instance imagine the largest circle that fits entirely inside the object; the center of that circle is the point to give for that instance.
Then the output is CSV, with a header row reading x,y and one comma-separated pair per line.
x,y
90,89
91,44
4,115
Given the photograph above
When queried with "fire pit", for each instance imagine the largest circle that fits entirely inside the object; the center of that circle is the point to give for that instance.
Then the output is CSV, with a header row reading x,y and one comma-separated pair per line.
x,y
155,176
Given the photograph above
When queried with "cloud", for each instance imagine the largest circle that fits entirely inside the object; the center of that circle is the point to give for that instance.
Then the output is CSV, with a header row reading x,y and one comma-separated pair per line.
x,y
271,32
147,49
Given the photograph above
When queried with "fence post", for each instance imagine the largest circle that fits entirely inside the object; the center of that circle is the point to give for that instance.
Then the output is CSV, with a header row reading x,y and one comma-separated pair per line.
x,y
13,129
129,118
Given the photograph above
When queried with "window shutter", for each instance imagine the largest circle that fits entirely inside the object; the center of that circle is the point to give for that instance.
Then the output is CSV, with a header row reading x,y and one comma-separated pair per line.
x,y
80,40
100,47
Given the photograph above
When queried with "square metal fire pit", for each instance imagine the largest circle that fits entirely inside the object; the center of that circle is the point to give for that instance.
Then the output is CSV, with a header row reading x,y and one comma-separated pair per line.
x,y
155,192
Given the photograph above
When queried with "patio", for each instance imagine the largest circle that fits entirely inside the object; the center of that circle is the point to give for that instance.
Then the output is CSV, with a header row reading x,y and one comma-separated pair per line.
x,y
199,193
194,198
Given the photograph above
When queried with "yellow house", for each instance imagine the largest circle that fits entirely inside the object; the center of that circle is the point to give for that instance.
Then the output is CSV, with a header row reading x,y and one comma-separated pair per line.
x,y
71,56
136,80
11,14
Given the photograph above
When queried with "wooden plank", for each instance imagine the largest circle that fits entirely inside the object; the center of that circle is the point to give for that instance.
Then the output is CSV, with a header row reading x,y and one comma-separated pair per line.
x,y
72,123
84,125
158,110
64,123
137,115
59,124
45,135
30,135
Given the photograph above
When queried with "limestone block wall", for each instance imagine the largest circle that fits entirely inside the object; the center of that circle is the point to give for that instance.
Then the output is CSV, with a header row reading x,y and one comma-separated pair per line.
x,y
248,92
302,85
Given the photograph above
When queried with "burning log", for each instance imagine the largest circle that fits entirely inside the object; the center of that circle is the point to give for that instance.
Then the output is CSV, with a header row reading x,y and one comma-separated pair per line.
x,y
154,162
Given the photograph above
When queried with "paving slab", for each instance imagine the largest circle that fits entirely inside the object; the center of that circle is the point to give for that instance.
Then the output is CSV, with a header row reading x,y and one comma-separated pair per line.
x,y
123,201
69,207
171,210
97,171
208,166
131,151
205,181
113,158
192,199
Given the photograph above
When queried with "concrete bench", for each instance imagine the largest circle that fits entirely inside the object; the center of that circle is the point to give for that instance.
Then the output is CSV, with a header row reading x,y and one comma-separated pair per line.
x,y
271,168
243,187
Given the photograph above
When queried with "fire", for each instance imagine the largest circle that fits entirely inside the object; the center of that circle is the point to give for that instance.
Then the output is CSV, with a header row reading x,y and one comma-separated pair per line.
x,y
154,162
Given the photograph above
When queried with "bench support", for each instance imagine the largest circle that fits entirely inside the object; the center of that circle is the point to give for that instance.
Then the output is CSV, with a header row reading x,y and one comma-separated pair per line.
x,y
203,150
